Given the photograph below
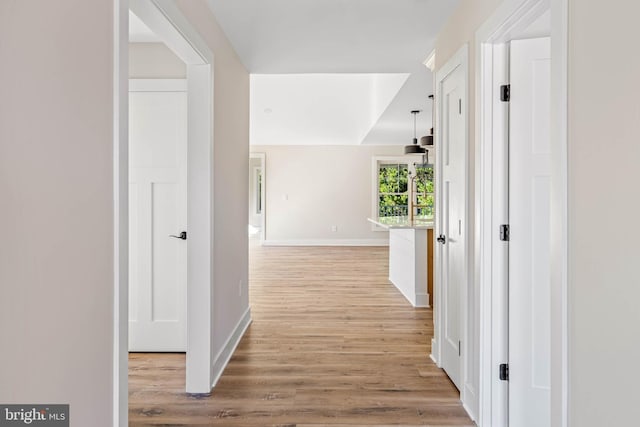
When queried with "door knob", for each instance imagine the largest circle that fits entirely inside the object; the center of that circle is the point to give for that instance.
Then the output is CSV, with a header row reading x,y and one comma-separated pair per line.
x,y
442,239
182,236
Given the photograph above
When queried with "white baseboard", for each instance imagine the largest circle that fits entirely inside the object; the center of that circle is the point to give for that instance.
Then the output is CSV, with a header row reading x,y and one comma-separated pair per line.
x,y
327,242
434,348
224,355
470,402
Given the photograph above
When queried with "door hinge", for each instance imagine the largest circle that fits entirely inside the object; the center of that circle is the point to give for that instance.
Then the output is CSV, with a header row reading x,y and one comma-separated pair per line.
x,y
460,106
505,93
504,372
459,348
504,232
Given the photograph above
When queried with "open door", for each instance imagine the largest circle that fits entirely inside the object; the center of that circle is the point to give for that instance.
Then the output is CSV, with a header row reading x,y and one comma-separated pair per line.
x,y
530,238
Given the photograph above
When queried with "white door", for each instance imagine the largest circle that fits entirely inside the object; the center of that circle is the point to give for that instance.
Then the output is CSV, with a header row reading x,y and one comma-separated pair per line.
x,y
157,209
452,224
529,245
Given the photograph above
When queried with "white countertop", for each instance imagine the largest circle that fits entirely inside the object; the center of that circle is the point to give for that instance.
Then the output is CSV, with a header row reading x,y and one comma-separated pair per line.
x,y
391,222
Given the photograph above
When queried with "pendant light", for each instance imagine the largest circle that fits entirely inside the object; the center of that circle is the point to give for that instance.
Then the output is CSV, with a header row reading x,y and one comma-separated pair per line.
x,y
428,139
414,148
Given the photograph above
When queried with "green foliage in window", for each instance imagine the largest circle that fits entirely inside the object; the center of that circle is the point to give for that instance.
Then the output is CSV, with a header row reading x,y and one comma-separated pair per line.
x,y
393,184
393,179
425,179
393,194
424,191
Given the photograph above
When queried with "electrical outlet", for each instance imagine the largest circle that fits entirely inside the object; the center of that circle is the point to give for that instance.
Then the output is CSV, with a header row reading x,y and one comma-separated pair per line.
x,y
334,228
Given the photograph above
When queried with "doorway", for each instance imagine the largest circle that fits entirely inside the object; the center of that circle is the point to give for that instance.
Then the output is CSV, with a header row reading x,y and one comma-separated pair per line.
x,y
257,198
166,21
168,24
521,203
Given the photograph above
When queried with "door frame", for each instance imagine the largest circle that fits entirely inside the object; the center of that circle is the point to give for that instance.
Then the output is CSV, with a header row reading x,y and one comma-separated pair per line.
x,y
459,60
165,19
491,189
263,194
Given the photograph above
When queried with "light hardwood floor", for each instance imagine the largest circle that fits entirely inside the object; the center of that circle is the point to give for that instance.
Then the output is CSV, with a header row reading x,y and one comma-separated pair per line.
x,y
332,343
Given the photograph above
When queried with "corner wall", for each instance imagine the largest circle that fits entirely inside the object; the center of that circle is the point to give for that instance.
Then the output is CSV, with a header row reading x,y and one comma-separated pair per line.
x,y
309,189
56,188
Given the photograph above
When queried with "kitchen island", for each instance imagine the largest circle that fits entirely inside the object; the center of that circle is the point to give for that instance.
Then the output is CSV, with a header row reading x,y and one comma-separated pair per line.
x,y
408,256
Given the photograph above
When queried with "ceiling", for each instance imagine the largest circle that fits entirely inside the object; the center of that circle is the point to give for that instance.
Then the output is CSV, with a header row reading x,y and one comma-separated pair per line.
x,y
332,36
334,72
326,38
319,109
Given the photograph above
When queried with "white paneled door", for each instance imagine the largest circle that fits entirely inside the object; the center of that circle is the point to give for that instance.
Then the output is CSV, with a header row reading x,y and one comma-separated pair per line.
x,y
157,211
452,226
529,245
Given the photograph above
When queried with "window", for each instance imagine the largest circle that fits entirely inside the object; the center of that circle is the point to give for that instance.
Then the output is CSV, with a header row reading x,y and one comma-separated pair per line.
x,y
392,178
423,201
393,195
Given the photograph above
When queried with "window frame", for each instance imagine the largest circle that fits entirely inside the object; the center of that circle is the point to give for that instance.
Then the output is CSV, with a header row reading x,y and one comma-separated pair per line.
x,y
399,165
426,194
375,186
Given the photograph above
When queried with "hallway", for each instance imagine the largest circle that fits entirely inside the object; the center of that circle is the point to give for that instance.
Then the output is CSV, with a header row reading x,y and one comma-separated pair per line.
x,y
332,343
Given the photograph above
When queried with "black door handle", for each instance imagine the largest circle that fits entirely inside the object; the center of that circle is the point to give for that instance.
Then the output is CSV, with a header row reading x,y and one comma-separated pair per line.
x,y
183,235
442,239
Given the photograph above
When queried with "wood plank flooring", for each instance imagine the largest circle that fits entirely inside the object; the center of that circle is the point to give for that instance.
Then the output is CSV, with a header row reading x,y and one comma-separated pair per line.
x,y
332,343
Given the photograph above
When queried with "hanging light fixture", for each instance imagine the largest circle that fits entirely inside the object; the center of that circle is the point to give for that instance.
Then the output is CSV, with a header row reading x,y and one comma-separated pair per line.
x,y
414,148
428,139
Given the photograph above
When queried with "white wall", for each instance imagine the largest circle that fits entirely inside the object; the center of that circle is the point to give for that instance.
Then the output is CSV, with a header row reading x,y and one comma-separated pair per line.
x,y
56,256
604,208
154,61
324,186
230,177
